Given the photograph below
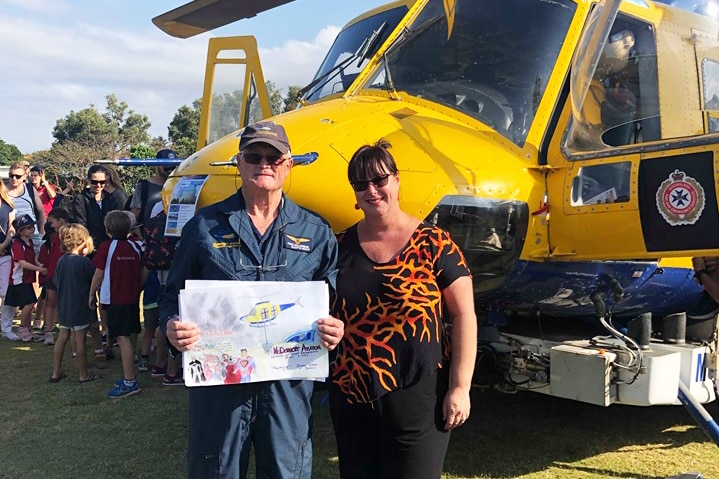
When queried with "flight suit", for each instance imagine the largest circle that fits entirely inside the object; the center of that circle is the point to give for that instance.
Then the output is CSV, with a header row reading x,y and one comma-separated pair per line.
x,y
220,243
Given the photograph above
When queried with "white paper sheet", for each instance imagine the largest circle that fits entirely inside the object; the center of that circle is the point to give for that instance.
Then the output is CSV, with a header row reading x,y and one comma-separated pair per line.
x,y
254,331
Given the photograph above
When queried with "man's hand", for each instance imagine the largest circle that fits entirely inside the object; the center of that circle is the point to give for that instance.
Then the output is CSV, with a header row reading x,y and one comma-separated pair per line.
x,y
331,331
182,334
711,264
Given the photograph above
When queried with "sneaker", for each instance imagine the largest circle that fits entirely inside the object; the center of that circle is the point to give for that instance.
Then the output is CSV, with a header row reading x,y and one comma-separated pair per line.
x,y
119,382
158,371
173,380
143,365
25,335
11,336
122,390
49,339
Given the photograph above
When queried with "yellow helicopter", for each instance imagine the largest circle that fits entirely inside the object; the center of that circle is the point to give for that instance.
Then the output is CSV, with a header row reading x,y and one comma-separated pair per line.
x,y
566,146
264,313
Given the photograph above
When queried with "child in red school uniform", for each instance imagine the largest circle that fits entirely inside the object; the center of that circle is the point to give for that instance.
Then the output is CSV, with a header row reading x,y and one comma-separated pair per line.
x,y
21,293
73,273
119,278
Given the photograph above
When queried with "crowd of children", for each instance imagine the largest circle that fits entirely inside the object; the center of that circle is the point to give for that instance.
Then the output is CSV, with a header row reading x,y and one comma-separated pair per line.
x,y
74,273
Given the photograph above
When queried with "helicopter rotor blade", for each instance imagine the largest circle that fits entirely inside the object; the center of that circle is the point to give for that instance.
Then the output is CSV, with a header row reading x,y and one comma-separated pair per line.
x,y
200,16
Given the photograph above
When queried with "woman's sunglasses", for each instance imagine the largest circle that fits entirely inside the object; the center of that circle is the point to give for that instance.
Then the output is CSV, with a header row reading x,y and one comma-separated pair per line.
x,y
98,182
379,182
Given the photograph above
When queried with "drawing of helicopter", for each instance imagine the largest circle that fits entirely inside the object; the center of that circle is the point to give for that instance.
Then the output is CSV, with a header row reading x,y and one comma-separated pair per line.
x,y
569,147
264,313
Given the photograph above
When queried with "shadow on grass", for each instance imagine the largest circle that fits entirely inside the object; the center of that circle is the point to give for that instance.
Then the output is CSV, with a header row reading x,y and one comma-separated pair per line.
x,y
72,430
513,435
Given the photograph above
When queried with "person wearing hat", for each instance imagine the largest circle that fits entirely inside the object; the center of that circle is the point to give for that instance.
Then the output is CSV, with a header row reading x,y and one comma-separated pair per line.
x,y
21,293
256,223
148,192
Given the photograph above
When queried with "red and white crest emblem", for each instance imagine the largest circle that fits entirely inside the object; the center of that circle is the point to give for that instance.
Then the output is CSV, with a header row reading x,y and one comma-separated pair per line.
x,y
680,199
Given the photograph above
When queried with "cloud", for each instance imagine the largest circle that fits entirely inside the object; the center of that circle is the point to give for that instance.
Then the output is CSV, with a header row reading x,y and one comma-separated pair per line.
x,y
53,68
295,62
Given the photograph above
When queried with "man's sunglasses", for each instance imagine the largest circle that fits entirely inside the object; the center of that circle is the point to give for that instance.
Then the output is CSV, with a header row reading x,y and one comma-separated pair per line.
x,y
16,177
379,182
255,159
98,182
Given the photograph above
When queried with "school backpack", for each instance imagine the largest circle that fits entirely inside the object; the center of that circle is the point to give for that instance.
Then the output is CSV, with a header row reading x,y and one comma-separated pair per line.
x,y
159,249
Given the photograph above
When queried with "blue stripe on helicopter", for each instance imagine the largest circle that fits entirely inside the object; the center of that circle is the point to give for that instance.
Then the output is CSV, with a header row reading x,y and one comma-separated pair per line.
x,y
298,160
142,161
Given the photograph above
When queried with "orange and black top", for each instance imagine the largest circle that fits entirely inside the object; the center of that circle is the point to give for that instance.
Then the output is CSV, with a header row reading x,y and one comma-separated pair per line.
x,y
392,313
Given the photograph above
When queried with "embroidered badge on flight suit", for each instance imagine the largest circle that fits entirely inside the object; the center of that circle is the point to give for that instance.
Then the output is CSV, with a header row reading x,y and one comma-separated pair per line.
x,y
298,244
224,238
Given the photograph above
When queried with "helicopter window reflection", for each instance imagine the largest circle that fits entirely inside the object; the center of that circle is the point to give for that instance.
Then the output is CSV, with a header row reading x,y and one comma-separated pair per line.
x,y
601,184
621,106
340,67
489,232
493,63
710,85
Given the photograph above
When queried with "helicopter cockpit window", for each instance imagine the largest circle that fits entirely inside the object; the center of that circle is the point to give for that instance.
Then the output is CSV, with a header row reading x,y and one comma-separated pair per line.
x,y
621,105
601,184
710,85
227,102
341,66
491,60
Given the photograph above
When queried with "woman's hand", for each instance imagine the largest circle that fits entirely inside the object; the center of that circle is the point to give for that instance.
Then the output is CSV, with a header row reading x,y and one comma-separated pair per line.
x,y
69,185
182,334
456,406
331,331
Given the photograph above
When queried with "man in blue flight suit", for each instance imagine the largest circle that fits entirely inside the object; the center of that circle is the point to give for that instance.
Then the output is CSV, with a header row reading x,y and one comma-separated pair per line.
x,y
252,236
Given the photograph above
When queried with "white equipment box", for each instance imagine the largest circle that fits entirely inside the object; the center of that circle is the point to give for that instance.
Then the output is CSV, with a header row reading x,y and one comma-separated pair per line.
x,y
582,374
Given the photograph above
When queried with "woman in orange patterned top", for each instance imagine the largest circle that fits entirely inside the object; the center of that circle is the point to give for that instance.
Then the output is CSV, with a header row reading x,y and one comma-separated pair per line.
x,y
395,394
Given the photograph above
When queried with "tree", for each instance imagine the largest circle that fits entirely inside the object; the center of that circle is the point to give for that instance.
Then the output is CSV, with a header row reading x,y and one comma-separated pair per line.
x,y
85,136
184,128
275,96
292,98
113,131
9,154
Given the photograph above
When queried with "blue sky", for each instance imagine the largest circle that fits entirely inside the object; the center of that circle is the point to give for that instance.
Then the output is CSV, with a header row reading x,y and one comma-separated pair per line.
x,y
62,55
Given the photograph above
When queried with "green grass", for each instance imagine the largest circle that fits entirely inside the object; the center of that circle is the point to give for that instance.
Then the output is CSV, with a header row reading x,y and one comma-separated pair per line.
x,y
70,430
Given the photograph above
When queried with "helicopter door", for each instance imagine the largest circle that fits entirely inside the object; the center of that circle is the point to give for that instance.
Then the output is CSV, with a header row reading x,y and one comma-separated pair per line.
x,y
227,104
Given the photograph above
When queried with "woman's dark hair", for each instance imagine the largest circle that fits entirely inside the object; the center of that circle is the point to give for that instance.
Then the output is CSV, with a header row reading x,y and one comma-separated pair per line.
x,y
37,169
98,169
371,161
